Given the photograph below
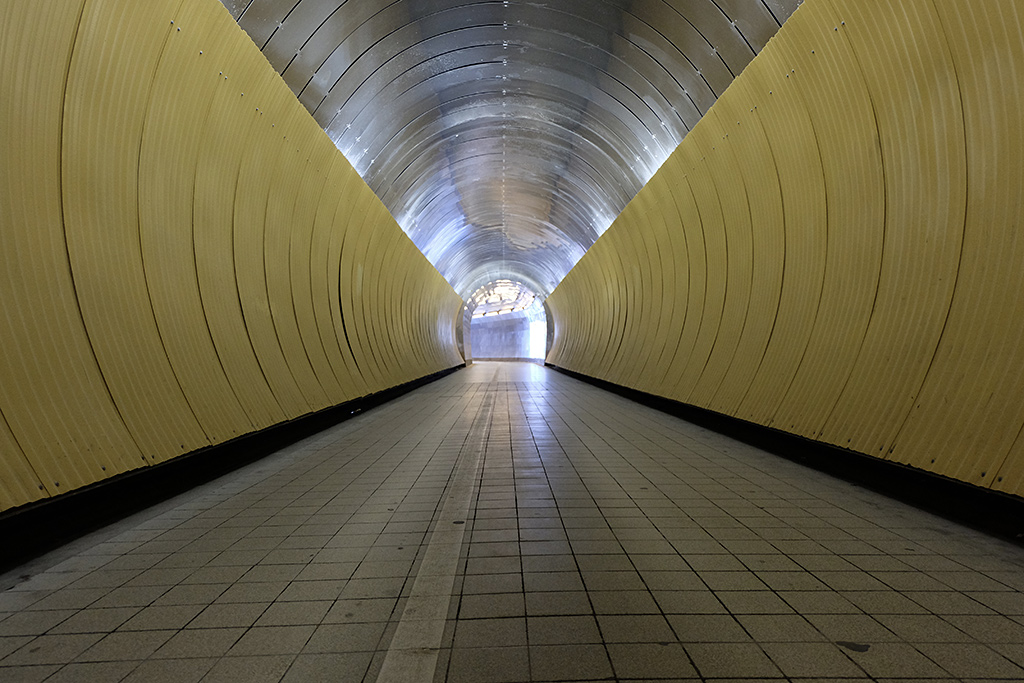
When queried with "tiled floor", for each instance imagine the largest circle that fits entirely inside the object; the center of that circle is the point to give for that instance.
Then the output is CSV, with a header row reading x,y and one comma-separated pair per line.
x,y
508,523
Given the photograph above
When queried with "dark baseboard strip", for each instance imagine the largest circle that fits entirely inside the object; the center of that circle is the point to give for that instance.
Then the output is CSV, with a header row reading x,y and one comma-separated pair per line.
x,y
31,530
990,511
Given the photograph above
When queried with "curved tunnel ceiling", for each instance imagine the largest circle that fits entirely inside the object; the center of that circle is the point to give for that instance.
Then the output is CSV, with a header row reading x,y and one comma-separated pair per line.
x,y
505,136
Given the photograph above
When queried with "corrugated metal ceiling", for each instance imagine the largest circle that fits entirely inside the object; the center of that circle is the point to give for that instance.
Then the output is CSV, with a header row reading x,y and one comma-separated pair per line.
x,y
506,135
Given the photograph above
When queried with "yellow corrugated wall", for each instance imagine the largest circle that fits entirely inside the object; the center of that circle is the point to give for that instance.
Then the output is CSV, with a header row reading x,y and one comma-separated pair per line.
x,y
836,249
184,255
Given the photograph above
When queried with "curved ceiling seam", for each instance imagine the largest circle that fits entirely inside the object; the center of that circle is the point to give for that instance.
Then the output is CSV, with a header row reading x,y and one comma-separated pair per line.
x,y
461,48
490,122
623,106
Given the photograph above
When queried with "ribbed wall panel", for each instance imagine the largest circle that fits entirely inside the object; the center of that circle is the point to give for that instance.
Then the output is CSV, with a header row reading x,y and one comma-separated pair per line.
x,y
173,227
183,90
976,377
230,127
110,87
47,364
836,244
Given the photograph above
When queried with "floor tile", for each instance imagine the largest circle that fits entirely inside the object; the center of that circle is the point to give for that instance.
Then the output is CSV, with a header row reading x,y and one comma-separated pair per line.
x,y
255,669
489,665
645,660
204,642
569,662
732,660
272,640
170,671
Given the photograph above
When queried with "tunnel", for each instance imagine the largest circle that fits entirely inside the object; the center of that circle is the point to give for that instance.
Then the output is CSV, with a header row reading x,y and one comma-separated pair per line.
x,y
511,340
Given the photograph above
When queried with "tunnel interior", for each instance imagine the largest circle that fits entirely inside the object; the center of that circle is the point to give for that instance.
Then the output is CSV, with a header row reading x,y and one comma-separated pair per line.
x,y
263,264
229,215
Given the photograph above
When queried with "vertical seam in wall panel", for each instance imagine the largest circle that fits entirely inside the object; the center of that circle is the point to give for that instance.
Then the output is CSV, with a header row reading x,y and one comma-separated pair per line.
x,y
67,253
678,219
725,277
884,223
266,283
238,290
689,288
1003,466
341,308
291,289
309,269
824,267
333,205
199,288
142,253
750,279
782,277
960,253
24,456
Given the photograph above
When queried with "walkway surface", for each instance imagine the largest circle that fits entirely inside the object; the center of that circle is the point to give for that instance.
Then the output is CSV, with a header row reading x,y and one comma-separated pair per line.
x,y
508,523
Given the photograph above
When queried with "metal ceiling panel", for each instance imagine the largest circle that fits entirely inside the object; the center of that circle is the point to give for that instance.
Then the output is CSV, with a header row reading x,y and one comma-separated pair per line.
x,y
506,135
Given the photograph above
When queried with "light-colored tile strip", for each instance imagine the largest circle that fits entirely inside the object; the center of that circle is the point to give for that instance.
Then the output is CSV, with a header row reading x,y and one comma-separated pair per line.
x,y
412,655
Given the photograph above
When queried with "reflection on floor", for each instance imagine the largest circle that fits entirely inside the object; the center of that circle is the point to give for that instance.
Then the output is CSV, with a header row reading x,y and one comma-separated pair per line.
x,y
508,523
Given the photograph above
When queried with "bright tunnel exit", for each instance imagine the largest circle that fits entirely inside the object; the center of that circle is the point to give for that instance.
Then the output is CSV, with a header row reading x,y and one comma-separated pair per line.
x,y
505,320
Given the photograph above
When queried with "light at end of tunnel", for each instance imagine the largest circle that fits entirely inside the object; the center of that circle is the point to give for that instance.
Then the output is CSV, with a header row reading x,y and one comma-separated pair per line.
x,y
538,338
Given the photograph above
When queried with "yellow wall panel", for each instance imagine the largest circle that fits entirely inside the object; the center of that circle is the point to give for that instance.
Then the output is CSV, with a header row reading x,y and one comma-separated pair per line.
x,y
795,153
633,256
901,48
47,365
353,284
707,322
173,225
329,221
184,86
659,209
374,304
228,132
760,177
352,208
830,86
689,222
285,187
307,205
259,169
849,214
109,88
967,415
649,296
735,258
19,484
